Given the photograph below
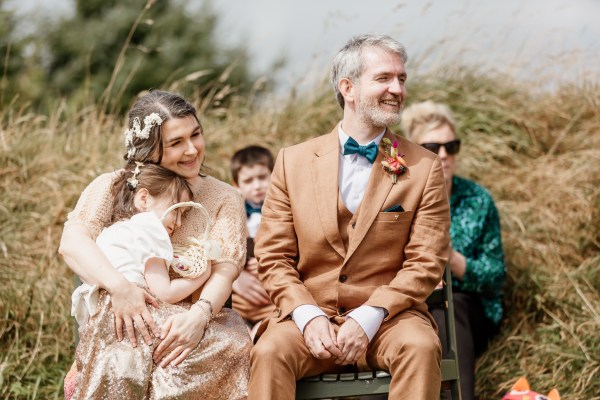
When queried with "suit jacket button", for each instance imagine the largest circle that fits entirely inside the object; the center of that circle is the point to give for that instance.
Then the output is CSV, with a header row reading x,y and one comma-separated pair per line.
x,y
343,278
353,225
341,310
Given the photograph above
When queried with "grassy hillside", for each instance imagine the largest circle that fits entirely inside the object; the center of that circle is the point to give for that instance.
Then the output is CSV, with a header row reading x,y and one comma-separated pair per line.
x,y
537,151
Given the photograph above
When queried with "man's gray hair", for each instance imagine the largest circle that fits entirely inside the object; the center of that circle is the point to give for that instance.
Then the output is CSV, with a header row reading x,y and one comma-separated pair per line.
x,y
348,63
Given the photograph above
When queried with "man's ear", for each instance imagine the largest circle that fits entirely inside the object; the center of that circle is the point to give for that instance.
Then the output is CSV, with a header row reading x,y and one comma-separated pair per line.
x,y
346,88
140,200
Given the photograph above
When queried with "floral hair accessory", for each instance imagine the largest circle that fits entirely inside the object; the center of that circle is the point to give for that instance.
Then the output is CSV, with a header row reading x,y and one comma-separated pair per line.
x,y
393,164
132,182
136,131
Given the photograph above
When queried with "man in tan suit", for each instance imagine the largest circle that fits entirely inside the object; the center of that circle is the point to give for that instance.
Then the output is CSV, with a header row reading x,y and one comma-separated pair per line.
x,y
349,251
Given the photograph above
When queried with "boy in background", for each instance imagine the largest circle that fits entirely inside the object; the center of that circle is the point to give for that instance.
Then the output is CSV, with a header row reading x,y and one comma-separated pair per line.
x,y
251,169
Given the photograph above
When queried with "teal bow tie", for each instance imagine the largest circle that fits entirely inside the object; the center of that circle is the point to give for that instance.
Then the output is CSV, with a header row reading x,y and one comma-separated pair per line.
x,y
250,209
369,151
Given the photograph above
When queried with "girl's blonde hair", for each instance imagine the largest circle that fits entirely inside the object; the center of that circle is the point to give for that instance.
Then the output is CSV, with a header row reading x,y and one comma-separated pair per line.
x,y
423,117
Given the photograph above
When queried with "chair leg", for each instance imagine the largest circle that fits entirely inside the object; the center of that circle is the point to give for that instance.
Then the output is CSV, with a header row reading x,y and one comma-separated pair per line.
x,y
455,390
451,331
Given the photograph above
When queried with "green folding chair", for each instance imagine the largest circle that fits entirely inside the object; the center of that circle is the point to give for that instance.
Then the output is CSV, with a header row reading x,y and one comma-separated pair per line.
x,y
331,386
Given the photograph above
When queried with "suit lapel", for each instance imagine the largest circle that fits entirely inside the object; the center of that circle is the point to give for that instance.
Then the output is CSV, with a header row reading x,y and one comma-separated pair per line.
x,y
325,170
377,190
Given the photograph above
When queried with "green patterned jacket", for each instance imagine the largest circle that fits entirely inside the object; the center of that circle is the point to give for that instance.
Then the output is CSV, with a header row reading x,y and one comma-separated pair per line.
x,y
475,233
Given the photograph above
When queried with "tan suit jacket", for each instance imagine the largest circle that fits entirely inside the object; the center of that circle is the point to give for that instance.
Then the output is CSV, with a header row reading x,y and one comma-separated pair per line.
x,y
394,259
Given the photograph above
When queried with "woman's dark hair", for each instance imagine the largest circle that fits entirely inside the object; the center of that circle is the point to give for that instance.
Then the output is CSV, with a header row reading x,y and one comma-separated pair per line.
x,y
166,105
158,181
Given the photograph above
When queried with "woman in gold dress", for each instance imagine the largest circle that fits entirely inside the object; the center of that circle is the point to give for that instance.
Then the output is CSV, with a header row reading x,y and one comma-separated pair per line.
x,y
152,350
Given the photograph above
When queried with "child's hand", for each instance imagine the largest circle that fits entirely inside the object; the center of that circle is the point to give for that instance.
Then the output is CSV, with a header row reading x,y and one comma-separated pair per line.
x,y
249,287
252,266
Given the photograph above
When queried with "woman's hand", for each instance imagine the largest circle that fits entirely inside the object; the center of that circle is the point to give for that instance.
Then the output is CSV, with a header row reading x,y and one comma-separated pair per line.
x,y
129,307
181,333
249,287
458,264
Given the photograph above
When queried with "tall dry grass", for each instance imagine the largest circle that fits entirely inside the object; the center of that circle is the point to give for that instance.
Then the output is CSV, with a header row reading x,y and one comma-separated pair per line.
x,y
538,152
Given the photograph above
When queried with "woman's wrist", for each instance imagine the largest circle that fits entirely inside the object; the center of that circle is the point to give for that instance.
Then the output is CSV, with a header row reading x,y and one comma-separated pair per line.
x,y
205,308
208,304
118,284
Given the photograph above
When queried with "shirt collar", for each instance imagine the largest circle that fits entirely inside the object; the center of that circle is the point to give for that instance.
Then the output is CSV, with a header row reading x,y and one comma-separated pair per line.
x,y
344,138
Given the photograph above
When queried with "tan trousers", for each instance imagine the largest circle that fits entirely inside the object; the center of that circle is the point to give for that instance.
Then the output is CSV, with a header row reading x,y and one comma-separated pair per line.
x,y
406,346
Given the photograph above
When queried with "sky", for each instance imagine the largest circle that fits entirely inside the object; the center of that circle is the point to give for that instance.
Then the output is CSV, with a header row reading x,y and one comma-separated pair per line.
x,y
534,39
521,37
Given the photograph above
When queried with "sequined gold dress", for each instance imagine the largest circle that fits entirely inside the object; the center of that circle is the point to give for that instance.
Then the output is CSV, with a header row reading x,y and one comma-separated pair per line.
x,y
218,368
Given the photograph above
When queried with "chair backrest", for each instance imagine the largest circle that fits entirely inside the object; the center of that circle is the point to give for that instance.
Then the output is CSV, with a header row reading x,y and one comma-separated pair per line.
x,y
329,386
443,299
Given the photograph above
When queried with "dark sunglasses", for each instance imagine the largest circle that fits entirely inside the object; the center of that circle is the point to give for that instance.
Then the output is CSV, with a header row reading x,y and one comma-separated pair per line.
x,y
452,147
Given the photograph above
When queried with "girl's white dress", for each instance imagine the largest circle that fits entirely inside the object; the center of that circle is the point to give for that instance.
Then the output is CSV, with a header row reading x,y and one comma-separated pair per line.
x,y
128,245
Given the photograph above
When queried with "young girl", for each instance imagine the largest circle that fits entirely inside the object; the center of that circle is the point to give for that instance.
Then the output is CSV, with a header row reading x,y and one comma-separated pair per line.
x,y
137,242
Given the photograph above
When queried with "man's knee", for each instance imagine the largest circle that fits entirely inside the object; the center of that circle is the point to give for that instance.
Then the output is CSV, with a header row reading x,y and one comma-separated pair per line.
x,y
264,350
272,348
429,344
423,347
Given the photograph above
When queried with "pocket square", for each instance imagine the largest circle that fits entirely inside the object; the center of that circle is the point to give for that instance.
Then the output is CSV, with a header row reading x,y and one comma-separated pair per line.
x,y
396,208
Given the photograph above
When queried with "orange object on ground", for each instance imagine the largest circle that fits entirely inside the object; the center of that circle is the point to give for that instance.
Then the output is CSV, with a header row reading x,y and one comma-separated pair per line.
x,y
522,391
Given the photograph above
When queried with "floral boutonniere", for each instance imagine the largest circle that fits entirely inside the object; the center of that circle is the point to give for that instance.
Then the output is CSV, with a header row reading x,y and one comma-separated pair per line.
x,y
393,164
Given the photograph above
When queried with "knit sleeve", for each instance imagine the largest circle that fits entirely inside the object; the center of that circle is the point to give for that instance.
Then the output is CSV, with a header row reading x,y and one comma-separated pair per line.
x,y
229,229
94,208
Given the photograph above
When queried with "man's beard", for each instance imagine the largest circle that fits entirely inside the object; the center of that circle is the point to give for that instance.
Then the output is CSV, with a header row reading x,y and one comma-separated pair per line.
x,y
371,113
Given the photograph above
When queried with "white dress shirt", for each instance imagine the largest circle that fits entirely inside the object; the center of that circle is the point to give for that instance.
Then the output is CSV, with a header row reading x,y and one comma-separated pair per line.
x,y
353,177
252,223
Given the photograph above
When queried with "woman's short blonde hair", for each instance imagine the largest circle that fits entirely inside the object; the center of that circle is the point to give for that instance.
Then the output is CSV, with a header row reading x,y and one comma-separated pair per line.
x,y
423,117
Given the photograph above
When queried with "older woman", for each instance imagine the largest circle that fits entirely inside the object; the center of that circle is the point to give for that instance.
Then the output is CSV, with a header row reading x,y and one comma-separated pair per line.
x,y
193,354
476,260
